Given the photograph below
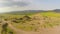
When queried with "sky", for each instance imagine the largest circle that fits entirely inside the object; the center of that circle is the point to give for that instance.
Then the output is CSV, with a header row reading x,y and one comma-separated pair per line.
x,y
17,5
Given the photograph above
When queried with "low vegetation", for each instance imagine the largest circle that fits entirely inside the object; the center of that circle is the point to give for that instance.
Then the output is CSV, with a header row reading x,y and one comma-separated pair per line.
x,y
33,22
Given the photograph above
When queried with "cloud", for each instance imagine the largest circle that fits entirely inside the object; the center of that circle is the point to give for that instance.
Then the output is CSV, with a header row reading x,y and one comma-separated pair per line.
x,y
8,3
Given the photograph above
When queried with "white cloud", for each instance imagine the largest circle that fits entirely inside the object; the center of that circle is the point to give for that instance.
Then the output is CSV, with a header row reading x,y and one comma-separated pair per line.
x,y
11,5
5,3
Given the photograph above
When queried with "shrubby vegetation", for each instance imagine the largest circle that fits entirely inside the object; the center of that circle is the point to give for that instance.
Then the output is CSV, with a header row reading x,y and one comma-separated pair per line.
x,y
33,22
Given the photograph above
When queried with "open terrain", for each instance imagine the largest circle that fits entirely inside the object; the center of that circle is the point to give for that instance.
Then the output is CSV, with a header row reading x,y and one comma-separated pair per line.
x,y
31,23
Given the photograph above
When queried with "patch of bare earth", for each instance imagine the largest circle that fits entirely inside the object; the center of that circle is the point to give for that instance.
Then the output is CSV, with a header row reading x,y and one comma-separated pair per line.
x,y
41,30
54,30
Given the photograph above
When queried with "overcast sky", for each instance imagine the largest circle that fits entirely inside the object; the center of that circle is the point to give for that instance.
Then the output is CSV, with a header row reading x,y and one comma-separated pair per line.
x,y
11,5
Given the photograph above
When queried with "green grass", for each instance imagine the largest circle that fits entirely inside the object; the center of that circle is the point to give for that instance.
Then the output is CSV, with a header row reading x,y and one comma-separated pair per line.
x,y
28,27
25,26
51,14
10,30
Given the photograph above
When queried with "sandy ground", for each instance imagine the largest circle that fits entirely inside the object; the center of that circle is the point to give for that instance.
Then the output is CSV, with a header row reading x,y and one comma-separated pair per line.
x,y
54,30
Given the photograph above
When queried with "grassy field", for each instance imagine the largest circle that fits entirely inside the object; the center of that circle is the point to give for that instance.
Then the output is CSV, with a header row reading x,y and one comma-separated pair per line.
x,y
33,22
51,14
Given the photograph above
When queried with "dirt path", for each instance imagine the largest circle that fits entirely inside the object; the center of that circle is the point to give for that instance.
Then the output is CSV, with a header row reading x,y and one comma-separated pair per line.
x,y
54,30
18,31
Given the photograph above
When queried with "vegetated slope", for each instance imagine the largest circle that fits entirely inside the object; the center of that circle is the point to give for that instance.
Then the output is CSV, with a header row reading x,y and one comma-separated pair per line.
x,y
37,21
32,11
26,12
